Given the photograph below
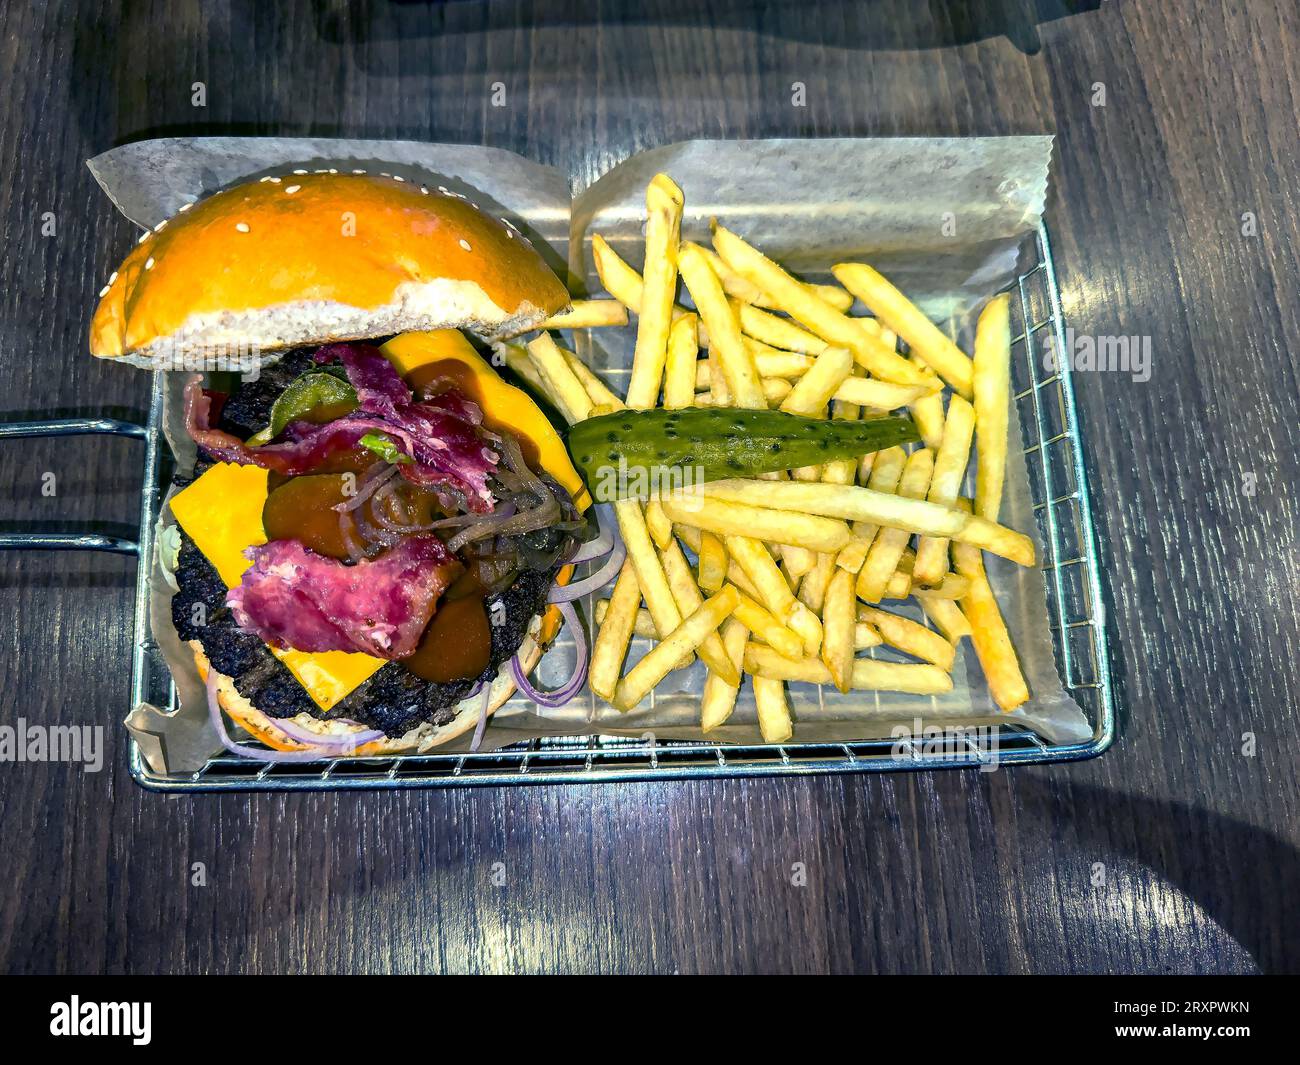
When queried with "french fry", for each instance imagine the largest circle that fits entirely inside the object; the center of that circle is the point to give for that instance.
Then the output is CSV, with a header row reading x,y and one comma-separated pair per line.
x,y
869,674
795,561
841,471
841,501
719,390
907,635
757,347
773,710
900,584
992,398
946,616
687,593
839,623
770,587
662,659
988,633
734,360
885,472
740,289
779,526
713,562
745,291
620,280
661,528
832,294
949,471
615,633
694,539
649,571
588,314
603,398
719,697
814,312
740,579
775,389
866,505
927,411
624,283
735,286
680,368
814,389
798,560
879,395
998,539
659,284
903,317
765,626
809,627
865,465
812,592
887,548
953,586
770,363
854,553
644,625
562,382
775,331
864,636
517,358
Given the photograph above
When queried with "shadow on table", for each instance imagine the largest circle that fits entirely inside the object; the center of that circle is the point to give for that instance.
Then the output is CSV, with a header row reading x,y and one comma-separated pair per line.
x,y
1242,876
870,25
120,94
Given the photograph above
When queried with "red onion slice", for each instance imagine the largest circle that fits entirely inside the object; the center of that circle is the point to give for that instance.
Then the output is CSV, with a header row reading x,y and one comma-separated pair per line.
x,y
367,488
570,687
255,753
352,740
482,717
604,541
566,593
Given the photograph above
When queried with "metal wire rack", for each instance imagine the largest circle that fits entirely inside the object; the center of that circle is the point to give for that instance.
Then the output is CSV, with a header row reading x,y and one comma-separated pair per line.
x,y
1059,488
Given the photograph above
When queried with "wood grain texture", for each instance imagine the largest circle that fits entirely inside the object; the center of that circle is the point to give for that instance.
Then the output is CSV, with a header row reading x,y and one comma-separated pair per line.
x,y
942,872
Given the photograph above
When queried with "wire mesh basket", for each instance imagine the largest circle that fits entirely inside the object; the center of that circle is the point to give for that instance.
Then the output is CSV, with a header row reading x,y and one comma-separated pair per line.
x,y
1059,489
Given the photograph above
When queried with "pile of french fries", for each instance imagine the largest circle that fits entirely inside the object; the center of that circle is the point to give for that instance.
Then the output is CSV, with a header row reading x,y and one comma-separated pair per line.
x,y
794,570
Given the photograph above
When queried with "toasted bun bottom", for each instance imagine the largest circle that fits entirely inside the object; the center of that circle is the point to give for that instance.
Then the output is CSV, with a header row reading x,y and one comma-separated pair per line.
x,y
418,740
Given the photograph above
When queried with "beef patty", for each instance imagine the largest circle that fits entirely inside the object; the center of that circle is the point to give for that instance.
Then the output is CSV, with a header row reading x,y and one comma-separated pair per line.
x,y
393,700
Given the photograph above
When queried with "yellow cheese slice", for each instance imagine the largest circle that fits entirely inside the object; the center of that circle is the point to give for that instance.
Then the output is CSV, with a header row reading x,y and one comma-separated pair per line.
x,y
222,510
505,403
329,676
222,513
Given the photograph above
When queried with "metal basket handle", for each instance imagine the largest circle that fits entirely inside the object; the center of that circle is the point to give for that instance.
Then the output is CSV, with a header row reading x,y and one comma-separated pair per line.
x,y
51,541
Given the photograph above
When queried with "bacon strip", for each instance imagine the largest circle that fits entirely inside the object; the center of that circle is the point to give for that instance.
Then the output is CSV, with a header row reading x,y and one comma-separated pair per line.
x,y
447,449
293,597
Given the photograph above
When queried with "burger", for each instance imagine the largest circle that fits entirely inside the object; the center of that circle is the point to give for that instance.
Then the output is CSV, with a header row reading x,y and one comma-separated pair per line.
x,y
370,554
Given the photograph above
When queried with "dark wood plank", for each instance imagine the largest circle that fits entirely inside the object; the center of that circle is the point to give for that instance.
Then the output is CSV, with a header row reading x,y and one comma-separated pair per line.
x,y
945,872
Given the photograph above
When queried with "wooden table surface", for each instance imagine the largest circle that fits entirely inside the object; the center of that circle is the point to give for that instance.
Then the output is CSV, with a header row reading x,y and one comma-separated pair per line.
x,y
1174,212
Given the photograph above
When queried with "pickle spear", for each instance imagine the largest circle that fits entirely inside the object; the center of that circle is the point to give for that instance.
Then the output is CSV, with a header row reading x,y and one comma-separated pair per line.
x,y
623,453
